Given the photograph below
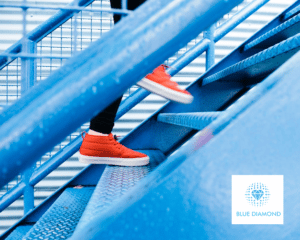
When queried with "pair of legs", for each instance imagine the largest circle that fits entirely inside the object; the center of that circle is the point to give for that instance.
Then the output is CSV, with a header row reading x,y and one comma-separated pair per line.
x,y
99,145
104,121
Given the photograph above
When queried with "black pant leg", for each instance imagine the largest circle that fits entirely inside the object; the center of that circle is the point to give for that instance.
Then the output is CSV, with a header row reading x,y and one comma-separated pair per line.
x,y
104,121
131,5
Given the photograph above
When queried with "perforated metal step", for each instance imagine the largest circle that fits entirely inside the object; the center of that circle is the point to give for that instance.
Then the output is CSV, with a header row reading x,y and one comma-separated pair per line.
x,y
276,35
258,66
114,182
61,218
197,120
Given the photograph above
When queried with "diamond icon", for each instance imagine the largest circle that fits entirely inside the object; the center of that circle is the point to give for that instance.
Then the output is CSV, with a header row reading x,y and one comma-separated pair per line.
x,y
257,194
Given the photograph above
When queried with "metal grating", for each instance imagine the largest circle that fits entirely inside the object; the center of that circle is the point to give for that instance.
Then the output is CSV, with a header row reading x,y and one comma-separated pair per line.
x,y
115,182
61,218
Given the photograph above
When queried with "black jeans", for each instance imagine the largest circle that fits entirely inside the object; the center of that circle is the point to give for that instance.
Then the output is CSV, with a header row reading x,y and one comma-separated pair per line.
x,y
104,121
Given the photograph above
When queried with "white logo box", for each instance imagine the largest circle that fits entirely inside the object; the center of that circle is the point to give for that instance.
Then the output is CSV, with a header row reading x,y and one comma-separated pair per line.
x,y
257,199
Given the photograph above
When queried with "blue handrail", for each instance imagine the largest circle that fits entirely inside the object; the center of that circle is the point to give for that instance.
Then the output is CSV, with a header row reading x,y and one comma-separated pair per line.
x,y
104,68
130,102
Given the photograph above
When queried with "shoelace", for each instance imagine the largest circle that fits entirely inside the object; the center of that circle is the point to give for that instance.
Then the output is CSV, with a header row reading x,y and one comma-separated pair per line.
x,y
116,143
83,134
116,137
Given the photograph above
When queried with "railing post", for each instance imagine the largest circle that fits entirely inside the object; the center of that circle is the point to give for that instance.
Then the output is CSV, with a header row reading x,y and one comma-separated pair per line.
x,y
28,66
29,190
210,52
28,73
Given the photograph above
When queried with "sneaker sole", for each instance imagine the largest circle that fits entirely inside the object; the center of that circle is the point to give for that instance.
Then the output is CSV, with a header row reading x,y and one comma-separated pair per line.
x,y
164,91
133,162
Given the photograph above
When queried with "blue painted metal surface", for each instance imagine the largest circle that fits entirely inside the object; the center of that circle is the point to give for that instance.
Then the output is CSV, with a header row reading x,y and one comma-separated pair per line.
x,y
19,233
73,146
114,183
126,105
62,101
276,35
140,94
200,204
89,176
295,10
192,120
173,69
60,220
268,60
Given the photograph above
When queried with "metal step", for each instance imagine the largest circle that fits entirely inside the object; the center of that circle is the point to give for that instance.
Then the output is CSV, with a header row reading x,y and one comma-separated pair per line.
x,y
253,69
19,232
114,183
196,120
277,34
61,218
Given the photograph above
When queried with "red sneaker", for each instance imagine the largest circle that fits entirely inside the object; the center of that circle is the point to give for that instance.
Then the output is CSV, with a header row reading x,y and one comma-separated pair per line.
x,y
106,150
160,83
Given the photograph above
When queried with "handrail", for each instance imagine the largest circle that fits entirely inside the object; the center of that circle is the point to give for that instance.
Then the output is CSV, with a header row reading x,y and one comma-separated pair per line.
x,y
130,102
91,82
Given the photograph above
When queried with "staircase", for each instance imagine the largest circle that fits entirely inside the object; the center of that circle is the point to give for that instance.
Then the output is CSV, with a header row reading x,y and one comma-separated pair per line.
x,y
184,193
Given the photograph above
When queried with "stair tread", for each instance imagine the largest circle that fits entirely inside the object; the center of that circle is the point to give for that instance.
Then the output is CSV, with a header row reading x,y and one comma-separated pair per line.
x,y
196,120
19,232
61,218
114,183
251,68
277,34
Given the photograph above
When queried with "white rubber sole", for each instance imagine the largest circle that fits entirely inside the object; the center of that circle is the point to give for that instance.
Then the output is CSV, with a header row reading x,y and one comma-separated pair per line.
x,y
114,161
164,91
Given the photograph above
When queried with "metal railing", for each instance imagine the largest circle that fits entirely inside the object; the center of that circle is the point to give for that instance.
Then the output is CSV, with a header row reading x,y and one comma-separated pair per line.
x,y
31,50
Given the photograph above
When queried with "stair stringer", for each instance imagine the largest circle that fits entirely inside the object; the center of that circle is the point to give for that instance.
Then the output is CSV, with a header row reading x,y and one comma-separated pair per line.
x,y
194,201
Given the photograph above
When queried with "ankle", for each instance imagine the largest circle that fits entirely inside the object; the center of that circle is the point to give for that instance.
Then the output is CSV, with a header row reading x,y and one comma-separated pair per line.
x,y
95,133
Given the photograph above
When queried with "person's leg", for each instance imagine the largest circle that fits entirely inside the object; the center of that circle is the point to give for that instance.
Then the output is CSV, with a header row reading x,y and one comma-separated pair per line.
x,y
99,145
104,121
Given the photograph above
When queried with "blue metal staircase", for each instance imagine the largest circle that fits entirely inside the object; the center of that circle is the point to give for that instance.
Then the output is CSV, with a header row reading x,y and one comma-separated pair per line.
x,y
194,149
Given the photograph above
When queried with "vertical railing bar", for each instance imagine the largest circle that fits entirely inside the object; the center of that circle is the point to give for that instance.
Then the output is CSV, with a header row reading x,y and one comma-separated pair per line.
x,y
75,33
41,52
124,5
27,81
81,30
7,85
61,45
29,190
91,14
17,77
210,52
101,17
71,36
51,44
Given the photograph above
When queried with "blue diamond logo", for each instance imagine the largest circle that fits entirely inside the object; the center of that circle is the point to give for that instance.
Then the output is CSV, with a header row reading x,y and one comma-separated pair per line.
x,y
257,194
